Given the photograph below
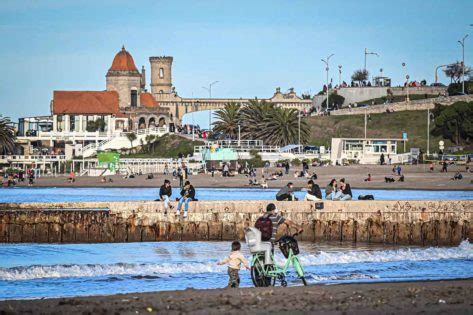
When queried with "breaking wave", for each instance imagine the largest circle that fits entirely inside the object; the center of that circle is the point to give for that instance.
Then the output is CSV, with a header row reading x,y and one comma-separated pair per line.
x,y
150,271
462,251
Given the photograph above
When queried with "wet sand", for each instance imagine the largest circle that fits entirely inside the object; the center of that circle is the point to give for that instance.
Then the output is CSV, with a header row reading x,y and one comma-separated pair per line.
x,y
416,177
435,297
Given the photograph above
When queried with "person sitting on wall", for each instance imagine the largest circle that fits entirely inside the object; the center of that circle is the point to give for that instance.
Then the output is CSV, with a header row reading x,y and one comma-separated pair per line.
x,y
165,192
346,190
286,193
187,195
313,192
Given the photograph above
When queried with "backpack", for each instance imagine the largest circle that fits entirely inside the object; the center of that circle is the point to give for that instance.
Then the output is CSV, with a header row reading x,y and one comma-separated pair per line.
x,y
265,225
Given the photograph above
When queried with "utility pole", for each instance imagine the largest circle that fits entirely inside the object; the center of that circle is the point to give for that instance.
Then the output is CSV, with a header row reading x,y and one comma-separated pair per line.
x,y
368,53
299,116
327,68
462,42
428,131
210,96
366,123
339,75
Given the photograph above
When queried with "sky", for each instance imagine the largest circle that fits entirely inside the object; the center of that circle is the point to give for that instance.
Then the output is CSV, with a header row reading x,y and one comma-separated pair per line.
x,y
250,47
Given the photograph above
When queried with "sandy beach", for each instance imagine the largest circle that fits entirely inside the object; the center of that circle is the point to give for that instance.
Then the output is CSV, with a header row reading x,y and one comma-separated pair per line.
x,y
416,177
432,297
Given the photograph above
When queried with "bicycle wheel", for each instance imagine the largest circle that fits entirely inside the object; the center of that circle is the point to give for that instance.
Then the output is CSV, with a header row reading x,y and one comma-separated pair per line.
x,y
300,271
258,277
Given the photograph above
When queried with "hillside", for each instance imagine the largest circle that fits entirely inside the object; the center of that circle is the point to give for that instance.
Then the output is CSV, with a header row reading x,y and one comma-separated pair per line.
x,y
383,125
168,146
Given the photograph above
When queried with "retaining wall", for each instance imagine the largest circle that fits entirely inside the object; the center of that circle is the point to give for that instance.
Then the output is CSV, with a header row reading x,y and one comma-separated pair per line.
x,y
403,222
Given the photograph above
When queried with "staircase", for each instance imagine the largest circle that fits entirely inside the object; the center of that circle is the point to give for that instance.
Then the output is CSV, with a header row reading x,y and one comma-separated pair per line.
x,y
120,141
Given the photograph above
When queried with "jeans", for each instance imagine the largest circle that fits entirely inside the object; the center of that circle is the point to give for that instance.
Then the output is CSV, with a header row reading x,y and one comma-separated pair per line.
x,y
334,195
344,197
285,197
184,201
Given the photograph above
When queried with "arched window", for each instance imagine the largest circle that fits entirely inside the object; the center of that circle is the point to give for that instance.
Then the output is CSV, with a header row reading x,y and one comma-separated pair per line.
x,y
161,73
161,91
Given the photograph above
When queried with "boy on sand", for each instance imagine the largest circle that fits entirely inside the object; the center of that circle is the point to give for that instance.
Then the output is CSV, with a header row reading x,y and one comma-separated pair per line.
x,y
234,261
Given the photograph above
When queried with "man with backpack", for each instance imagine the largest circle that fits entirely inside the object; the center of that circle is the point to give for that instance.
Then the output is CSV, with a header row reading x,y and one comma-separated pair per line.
x,y
268,224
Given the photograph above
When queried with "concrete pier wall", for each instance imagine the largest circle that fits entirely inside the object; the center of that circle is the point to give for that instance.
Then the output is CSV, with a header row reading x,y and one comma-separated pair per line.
x,y
401,222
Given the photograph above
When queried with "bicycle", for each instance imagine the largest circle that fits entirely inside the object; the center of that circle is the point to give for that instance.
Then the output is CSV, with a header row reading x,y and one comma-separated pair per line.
x,y
265,275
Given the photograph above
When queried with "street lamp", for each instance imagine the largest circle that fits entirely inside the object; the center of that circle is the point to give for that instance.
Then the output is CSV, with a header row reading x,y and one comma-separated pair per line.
x,y
462,42
327,68
339,75
368,53
210,96
407,88
436,72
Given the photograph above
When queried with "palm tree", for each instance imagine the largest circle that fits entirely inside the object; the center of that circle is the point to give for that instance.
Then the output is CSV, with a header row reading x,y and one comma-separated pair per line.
x,y
7,135
228,119
251,117
280,127
131,137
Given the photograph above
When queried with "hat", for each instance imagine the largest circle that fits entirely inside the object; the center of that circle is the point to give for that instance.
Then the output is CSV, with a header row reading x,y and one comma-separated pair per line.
x,y
270,207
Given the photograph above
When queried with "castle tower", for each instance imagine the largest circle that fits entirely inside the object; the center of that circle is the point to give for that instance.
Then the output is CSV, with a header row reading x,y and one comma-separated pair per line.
x,y
143,78
161,75
124,78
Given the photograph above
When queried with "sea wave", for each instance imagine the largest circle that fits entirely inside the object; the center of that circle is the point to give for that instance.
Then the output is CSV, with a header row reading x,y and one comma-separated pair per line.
x,y
463,251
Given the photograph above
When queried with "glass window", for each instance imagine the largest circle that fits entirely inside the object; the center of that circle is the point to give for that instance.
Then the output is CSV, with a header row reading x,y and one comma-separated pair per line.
x,y
161,73
60,123
72,123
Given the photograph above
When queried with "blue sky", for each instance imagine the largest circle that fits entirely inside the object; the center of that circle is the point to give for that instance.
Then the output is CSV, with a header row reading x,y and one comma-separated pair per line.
x,y
251,47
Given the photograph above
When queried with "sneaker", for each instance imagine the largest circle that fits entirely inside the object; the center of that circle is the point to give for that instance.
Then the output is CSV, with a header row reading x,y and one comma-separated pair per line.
x,y
185,214
178,213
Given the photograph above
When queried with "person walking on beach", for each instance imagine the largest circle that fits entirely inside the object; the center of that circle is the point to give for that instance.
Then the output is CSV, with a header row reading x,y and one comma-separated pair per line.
x,y
313,192
381,159
234,262
165,193
286,193
187,195
444,167
286,166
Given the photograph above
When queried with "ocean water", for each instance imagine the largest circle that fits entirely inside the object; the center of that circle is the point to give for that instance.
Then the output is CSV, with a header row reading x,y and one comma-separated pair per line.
x,y
63,194
56,270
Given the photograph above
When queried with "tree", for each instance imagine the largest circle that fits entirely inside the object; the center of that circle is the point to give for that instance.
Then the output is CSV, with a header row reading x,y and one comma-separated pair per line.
x,y
7,135
131,136
360,76
150,139
251,116
454,122
280,127
228,119
455,71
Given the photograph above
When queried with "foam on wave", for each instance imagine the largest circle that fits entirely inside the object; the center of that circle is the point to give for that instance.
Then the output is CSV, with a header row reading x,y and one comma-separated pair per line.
x,y
463,251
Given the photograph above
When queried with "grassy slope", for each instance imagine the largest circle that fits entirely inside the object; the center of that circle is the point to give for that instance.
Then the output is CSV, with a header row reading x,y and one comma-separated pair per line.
x,y
169,146
384,125
398,98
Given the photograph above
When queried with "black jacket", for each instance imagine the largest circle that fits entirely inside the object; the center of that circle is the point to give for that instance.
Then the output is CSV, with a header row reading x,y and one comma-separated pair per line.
x,y
347,190
190,192
315,191
165,191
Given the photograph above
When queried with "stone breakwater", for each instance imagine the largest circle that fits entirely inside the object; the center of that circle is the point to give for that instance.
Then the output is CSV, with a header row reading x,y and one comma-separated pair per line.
x,y
395,222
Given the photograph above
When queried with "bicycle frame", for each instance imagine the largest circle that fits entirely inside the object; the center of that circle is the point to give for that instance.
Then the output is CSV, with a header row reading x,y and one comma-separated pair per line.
x,y
274,271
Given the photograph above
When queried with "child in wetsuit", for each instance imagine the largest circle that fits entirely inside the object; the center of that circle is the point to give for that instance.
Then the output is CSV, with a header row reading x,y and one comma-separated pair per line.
x,y
234,261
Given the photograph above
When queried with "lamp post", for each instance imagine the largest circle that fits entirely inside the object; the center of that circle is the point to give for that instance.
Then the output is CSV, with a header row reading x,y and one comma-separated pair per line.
x,y
368,53
210,96
462,42
436,72
327,68
299,123
339,75
407,88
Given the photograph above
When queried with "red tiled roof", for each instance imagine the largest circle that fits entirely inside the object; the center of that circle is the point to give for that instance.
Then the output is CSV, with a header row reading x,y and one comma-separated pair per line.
x,y
147,99
123,61
85,102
